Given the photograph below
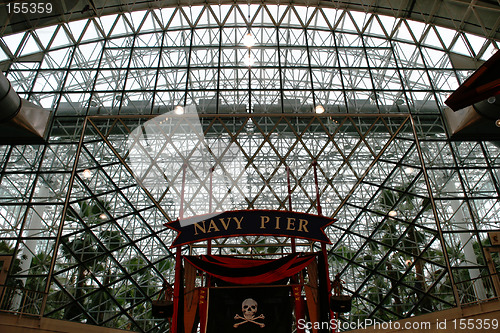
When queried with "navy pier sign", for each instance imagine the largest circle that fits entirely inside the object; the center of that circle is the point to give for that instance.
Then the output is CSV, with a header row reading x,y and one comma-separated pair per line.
x,y
250,222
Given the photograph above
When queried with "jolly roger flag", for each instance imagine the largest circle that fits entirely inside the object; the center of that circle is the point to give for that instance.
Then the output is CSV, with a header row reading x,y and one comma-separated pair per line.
x,y
249,310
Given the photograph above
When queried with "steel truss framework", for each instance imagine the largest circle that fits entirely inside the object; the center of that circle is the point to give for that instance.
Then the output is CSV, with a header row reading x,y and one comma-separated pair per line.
x,y
413,208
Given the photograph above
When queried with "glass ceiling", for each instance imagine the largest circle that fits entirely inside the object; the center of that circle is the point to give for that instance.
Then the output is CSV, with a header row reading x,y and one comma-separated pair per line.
x,y
304,56
84,213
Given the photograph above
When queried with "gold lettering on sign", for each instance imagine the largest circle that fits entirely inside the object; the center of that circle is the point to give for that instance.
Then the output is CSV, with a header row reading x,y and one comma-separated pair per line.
x,y
197,227
212,226
263,220
225,224
238,222
292,224
302,225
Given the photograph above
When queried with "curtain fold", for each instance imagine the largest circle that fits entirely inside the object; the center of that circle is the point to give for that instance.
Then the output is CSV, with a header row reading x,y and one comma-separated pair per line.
x,y
251,271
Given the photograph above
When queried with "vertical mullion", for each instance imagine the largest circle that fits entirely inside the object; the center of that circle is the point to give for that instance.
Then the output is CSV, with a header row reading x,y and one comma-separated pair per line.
x,y
190,51
155,89
219,59
374,90
127,70
335,45
280,69
99,69
400,75
308,50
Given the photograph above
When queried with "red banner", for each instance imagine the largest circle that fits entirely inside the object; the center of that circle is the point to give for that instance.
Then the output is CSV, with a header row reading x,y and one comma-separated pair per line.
x,y
251,271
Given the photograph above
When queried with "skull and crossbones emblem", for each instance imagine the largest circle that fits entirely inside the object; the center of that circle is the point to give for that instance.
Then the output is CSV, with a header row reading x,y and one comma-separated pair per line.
x,y
249,310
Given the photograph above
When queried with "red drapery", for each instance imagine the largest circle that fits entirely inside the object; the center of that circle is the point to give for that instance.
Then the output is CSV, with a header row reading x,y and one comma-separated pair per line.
x,y
251,271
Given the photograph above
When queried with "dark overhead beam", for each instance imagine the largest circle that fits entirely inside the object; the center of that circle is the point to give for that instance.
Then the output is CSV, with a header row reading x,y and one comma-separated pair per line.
x,y
482,84
21,122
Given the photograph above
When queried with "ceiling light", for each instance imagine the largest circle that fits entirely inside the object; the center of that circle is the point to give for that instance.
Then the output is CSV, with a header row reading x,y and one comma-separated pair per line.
x,y
409,170
393,213
179,109
250,126
497,122
408,262
319,109
249,61
248,40
87,174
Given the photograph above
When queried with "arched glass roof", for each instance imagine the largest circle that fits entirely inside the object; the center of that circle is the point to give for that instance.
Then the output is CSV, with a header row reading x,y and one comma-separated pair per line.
x,y
84,213
476,17
304,56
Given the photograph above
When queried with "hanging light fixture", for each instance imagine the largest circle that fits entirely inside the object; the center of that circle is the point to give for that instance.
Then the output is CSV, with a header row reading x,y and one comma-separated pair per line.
x,y
87,174
249,60
249,39
319,109
393,213
409,170
179,110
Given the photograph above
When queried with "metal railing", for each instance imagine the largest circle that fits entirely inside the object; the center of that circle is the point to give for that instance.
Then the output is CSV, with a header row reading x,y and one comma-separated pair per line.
x,y
21,301
479,289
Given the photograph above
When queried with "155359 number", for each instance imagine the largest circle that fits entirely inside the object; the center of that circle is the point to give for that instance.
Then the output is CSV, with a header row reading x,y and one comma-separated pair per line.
x,y
29,8
476,324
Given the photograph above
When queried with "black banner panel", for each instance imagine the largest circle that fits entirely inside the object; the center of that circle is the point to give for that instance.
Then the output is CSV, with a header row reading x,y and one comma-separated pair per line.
x,y
249,310
250,222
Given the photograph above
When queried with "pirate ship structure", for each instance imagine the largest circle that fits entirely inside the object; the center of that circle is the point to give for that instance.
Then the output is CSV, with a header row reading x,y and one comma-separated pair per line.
x,y
241,293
